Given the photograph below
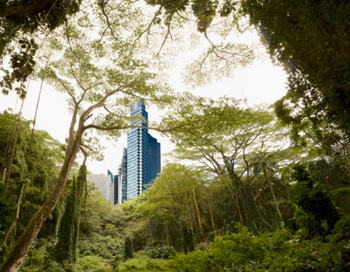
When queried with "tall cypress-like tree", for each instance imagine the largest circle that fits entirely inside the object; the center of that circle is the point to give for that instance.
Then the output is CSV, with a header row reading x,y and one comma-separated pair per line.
x,y
128,252
66,247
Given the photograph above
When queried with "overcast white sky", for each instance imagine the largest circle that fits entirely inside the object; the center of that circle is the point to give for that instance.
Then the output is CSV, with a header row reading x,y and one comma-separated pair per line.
x,y
259,82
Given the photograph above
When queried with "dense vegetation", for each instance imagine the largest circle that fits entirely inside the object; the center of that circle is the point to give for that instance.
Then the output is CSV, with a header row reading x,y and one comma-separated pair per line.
x,y
247,189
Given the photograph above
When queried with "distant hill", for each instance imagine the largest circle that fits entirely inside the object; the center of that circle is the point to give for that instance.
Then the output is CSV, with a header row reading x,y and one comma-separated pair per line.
x,y
102,183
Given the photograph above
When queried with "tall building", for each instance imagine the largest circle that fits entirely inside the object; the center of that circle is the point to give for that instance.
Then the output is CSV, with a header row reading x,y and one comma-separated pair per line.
x,y
141,159
118,183
122,178
143,153
111,193
113,187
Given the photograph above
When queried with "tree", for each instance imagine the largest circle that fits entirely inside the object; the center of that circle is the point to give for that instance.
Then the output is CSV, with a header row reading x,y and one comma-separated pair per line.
x,y
175,207
311,41
68,235
262,162
223,139
128,252
98,98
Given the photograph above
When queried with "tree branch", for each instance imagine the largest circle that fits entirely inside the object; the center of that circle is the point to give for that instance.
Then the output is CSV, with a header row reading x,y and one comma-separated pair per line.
x,y
132,126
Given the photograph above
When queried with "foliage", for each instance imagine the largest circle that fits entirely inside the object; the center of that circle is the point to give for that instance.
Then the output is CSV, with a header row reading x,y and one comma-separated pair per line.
x,y
92,255
5,205
277,251
174,207
99,216
22,65
99,93
68,235
224,138
21,16
237,147
333,174
128,251
211,66
310,39
315,211
141,262
106,247
39,255
91,263
39,259
102,226
35,160
216,54
161,252
18,21
204,11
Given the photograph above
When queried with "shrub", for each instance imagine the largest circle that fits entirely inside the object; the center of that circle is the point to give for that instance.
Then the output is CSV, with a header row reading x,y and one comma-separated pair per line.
x,y
105,247
141,262
277,251
90,263
161,252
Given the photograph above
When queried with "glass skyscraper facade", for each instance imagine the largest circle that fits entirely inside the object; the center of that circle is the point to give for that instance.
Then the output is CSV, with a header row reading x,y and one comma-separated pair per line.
x,y
143,153
123,178
140,164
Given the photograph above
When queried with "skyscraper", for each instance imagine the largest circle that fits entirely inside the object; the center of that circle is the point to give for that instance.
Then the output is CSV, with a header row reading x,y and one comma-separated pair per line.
x,y
143,153
113,188
122,178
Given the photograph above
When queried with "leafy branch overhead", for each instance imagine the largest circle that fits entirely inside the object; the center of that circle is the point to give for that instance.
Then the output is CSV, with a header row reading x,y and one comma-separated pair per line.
x,y
204,11
21,23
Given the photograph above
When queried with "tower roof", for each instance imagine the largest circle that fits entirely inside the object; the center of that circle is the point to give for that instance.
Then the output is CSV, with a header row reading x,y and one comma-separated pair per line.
x,y
137,104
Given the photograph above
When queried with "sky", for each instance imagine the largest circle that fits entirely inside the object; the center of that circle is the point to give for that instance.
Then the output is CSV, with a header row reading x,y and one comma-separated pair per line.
x,y
258,82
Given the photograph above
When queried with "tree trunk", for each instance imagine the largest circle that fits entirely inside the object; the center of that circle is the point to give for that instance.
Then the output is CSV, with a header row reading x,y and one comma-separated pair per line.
x,y
197,212
232,193
253,218
23,245
276,203
236,201
212,217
